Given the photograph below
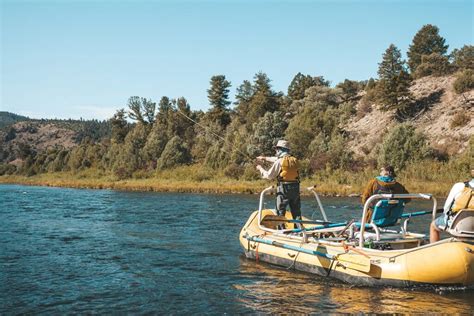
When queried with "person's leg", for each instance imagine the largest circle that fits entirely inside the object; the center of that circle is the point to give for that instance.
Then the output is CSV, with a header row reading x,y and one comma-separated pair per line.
x,y
434,233
436,227
281,200
295,200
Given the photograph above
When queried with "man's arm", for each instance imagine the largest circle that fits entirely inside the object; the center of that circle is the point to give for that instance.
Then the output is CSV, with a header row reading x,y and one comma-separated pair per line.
x,y
269,159
273,172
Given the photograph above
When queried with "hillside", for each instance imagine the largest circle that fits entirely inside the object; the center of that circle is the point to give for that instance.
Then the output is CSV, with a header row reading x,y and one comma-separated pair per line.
x,y
7,119
438,106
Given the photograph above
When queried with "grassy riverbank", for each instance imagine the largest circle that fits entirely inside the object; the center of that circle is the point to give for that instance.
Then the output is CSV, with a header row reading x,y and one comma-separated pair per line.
x,y
435,179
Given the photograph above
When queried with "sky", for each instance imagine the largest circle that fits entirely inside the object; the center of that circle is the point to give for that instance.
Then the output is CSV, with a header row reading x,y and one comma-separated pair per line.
x,y
84,59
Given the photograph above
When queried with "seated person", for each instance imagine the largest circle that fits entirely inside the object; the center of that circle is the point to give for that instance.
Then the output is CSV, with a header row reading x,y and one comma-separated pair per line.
x,y
385,183
443,222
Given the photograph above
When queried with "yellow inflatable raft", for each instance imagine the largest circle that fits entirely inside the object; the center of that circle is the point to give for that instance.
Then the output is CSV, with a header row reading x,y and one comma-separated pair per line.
x,y
359,253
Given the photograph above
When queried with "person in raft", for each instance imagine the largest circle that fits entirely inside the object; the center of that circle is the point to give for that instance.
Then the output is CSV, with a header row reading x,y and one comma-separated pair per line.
x,y
385,183
460,197
285,170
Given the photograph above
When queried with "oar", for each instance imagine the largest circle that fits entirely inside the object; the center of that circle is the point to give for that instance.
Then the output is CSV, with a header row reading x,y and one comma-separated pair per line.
x,y
282,219
354,262
438,211
318,227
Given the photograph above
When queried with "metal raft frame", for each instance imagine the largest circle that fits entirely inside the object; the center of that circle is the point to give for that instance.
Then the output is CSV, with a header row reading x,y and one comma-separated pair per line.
x,y
420,196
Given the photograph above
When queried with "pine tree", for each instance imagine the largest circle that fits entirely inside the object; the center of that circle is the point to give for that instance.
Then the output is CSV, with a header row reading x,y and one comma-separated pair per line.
x,y
394,83
119,126
141,110
218,95
426,41
301,82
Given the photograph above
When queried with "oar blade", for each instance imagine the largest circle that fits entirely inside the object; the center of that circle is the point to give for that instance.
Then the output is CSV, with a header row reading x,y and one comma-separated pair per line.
x,y
354,262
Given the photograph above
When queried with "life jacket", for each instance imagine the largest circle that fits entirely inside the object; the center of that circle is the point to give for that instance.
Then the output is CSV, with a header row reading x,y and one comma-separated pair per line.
x,y
289,169
465,200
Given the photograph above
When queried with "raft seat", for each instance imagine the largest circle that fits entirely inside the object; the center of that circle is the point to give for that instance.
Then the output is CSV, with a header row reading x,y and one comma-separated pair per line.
x,y
386,213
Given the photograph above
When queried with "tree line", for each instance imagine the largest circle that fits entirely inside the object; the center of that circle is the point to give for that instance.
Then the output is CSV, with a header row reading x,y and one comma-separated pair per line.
x,y
147,136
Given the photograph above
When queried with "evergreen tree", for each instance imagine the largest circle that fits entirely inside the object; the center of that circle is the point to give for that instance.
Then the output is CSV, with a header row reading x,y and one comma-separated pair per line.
x,y
394,83
301,82
119,126
263,100
426,41
175,153
218,95
165,108
243,96
141,110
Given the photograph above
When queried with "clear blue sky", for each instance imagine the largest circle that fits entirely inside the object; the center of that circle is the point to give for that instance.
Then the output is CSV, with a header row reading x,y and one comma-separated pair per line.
x,y
71,59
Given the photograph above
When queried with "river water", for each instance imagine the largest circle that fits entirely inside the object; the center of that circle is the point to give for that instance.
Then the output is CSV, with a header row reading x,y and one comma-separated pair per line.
x,y
102,251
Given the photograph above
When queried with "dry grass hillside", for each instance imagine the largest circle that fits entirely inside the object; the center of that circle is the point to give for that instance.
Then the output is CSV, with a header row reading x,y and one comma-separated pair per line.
x,y
446,118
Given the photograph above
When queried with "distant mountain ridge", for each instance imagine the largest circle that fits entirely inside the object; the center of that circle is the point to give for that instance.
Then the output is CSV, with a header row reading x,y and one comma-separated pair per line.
x,y
7,118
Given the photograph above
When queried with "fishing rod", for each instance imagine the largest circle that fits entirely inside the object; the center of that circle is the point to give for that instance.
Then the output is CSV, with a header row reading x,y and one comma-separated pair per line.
x,y
214,134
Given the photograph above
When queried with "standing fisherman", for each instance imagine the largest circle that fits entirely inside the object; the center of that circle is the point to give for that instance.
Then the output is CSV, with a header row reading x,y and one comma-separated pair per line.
x,y
285,170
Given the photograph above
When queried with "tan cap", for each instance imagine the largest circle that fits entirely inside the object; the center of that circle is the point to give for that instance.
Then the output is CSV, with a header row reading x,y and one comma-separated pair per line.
x,y
283,144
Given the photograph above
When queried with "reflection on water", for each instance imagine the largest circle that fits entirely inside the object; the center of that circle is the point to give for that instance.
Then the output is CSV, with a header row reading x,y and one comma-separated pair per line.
x,y
278,290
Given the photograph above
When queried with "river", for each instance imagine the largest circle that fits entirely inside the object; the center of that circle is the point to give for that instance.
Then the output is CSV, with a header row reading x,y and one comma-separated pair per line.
x,y
102,251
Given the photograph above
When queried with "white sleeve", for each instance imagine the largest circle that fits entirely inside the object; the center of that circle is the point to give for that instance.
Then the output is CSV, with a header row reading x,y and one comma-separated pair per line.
x,y
273,172
453,194
271,159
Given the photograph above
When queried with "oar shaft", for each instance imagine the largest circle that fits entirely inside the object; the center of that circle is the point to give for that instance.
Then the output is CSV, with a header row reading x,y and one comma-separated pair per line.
x,y
290,247
319,227
300,221
420,213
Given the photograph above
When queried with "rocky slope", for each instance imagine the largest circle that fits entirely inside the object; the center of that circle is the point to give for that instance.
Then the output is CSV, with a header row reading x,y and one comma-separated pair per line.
x,y
438,106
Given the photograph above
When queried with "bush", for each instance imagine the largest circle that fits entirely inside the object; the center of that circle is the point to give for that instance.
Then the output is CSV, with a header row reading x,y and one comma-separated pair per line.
x,y
7,169
403,145
234,171
464,81
460,119
433,64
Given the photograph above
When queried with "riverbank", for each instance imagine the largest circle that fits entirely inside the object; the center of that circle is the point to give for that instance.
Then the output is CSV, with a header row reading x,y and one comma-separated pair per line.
x,y
333,185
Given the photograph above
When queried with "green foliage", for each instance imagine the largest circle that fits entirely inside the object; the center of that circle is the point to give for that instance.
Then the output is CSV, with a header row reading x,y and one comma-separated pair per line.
x,y
426,42
393,86
463,58
243,96
218,95
175,153
403,145
120,126
6,168
267,131
301,82
7,119
263,100
141,110
464,81
311,131
433,64
350,88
